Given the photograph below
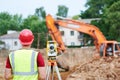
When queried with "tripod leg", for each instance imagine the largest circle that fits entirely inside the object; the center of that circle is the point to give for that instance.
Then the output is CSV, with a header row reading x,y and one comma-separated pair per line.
x,y
52,72
58,73
47,69
48,72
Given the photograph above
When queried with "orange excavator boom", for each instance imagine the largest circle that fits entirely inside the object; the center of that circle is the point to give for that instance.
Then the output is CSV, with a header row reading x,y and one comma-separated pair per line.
x,y
55,33
91,30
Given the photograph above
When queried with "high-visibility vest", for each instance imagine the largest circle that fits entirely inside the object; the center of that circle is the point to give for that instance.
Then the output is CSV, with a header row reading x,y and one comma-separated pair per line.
x,y
24,64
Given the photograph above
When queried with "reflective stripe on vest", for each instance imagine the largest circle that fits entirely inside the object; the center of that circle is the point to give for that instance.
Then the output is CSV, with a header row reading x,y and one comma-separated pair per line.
x,y
32,72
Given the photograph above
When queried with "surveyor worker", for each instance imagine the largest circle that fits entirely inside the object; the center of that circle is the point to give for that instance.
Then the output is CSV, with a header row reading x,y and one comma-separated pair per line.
x,y
25,64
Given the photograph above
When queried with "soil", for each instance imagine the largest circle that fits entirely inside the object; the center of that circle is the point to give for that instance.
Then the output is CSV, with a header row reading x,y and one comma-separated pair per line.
x,y
101,69
95,69
84,68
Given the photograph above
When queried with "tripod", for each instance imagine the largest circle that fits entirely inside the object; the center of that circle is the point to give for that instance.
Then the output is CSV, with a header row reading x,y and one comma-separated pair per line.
x,y
50,70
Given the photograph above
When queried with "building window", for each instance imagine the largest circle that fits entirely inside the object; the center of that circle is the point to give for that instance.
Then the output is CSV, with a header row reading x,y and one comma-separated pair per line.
x,y
72,33
72,43
62,33
15,43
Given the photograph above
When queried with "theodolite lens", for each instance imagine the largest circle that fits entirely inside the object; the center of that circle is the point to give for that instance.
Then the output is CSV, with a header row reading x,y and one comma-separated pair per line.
x,y
52,47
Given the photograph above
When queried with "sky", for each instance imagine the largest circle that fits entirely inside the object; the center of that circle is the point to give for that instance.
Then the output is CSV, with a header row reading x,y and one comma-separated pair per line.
x,y
27,7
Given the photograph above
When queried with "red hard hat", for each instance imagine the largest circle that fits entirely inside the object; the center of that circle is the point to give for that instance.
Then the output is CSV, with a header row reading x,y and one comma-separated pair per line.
x,y
26,37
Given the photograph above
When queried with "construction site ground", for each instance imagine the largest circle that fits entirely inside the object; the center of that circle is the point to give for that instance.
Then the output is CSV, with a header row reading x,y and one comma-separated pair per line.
x,y
80,64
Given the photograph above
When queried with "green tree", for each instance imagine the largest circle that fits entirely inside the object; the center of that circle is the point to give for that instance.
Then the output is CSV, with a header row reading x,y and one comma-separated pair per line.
x,y
76,17
27,22
41,34
62,11
9,22
95,9
5,17
40,12
15,22
112,18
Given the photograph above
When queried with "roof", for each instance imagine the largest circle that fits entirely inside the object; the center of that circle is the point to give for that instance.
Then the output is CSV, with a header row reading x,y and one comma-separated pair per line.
x,y
89,20
14,35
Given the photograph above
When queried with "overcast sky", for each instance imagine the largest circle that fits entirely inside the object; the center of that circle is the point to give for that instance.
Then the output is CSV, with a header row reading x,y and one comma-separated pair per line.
x,y
27,7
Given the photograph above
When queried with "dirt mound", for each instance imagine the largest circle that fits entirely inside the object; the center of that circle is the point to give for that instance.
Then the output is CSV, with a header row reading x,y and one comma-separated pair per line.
x,y
102,69
75,56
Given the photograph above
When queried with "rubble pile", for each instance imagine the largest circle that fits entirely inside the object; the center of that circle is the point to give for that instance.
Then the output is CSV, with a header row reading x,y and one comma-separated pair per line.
x,y
101,69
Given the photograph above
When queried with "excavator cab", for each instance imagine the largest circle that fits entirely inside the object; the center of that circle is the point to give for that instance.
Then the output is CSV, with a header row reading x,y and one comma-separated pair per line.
x,y
110,48
116,49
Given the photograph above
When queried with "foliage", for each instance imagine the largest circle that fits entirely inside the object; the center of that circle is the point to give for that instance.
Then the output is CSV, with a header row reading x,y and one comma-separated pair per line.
x,y
40,12
62,11
1,42
95,9
102,27
30,22
9,22
15,22
76,17
112,18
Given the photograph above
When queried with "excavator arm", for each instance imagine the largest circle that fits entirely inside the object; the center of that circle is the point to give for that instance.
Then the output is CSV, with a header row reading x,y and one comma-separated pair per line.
x,y
55,33
82,27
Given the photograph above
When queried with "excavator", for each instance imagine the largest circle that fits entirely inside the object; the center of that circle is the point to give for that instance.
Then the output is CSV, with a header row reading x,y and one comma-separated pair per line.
x,y
103,46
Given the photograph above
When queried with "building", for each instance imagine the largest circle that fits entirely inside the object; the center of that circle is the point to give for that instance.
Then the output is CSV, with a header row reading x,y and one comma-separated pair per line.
x,y
11,40
71,37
